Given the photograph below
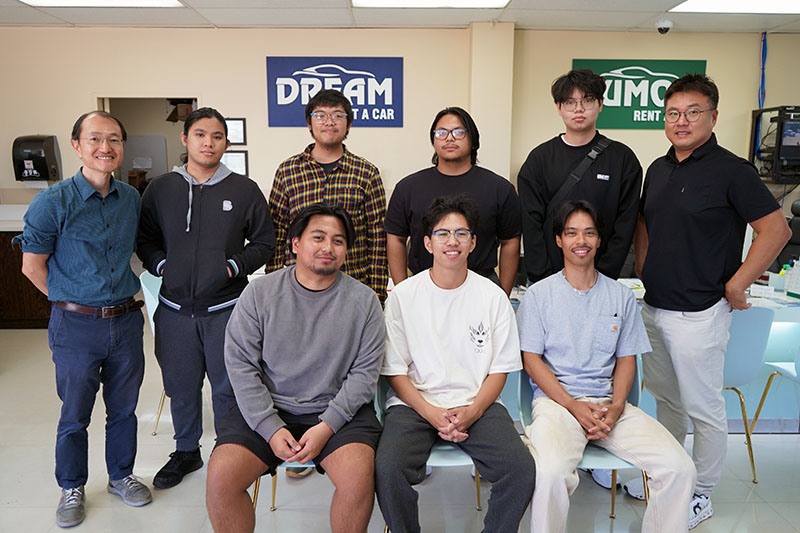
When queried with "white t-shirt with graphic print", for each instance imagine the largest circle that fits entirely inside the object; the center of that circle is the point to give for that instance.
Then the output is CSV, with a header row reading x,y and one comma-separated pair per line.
x,y
448,341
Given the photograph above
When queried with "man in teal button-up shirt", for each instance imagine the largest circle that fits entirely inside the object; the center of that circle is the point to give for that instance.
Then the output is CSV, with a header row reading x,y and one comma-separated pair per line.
x,y
77,244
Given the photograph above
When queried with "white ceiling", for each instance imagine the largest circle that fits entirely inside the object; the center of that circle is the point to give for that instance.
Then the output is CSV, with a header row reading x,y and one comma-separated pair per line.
x,y
611,15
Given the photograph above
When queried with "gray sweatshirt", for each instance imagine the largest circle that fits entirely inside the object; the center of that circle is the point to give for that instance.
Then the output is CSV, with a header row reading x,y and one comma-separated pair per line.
x,y
302,351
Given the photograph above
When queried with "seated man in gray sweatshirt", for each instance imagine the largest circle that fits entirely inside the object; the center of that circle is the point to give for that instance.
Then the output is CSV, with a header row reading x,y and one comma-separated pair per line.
x,y
303,349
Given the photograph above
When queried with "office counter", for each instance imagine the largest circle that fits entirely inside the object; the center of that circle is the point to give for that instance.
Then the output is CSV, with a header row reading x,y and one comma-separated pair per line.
x,y
21,304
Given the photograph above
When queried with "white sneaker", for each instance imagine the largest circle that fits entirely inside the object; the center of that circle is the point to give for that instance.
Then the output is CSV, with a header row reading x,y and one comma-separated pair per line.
x,y
635,488
602,477
699,510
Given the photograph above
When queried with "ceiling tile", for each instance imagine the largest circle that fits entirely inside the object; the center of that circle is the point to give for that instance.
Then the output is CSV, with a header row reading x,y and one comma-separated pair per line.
x,y
564,20
266,4
27,16
375,17
579,6
151,17
720,22
278,17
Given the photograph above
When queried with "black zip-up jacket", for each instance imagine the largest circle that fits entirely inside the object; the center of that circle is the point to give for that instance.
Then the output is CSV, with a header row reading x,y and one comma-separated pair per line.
x,y
191,238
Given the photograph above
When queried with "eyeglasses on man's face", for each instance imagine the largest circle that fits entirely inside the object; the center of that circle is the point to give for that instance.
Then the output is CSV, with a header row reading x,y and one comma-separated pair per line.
x,y
443,235
586,103
321,117
96,140
693,115
442,133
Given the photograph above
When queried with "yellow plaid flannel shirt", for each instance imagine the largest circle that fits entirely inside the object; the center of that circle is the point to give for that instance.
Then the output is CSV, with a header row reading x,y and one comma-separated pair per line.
x,y
355,184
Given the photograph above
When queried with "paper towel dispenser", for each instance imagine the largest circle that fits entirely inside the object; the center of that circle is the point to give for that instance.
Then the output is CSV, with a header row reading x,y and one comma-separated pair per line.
x,y
36,157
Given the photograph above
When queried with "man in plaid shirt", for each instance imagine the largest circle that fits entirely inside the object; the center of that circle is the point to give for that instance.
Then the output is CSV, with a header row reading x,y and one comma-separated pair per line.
x,y
327,172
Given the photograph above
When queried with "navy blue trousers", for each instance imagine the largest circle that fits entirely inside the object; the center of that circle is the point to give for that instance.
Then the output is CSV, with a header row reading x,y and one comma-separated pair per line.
x,y
89,351
188,348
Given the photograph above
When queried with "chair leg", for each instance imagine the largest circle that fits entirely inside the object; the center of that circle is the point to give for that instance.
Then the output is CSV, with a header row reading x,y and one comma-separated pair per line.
x,y
747,439
274,489
613,493
256,486
763,397
478,490
160,407
646,488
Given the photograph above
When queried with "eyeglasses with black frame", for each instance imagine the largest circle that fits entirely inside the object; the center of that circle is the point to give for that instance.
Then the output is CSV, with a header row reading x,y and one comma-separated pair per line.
x,y
321,117
586,103
442,133
693,115
443,235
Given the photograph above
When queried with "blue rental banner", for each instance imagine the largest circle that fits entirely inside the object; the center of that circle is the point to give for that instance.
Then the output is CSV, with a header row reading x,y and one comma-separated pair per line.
x,y
374,85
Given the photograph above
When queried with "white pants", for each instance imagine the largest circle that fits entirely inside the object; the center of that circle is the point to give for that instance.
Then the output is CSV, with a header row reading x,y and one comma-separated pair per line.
x,y
557,441
684,373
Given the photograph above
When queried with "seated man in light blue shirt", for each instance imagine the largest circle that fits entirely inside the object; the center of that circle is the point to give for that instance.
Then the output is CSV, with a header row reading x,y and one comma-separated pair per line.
x,y
580,332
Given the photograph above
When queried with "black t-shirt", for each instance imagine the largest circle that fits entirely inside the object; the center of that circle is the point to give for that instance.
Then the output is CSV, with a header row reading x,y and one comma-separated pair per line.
x,y
696,213
496,199
611,184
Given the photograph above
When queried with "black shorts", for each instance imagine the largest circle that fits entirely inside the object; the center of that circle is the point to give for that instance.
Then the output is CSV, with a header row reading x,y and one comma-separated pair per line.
x,y
364,428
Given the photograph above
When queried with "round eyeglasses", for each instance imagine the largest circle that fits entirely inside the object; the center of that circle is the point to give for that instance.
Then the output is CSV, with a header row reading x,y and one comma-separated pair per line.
x,y
95,140
693,115
321,117
586,103
443,235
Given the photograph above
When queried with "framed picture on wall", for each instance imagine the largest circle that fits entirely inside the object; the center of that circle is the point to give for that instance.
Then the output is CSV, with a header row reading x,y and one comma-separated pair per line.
x,y
236,160
237,131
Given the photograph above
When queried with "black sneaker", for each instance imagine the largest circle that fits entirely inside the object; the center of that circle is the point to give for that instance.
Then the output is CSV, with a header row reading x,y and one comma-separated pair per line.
x,y
179,464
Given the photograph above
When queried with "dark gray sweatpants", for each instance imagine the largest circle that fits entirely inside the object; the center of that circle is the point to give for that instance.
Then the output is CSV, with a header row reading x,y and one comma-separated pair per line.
x,y
493,444
187,348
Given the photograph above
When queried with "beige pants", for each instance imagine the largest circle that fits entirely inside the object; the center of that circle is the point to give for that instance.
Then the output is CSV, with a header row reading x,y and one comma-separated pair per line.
x,y
684,374
557,441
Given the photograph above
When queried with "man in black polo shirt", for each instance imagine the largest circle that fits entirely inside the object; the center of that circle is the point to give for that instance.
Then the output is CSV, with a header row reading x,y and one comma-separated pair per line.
x,y
455,141
611,183
696,204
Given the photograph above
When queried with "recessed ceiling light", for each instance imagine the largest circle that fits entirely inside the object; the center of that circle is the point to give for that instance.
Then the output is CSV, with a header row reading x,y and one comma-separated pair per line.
x,y
472,4
759,7
103,3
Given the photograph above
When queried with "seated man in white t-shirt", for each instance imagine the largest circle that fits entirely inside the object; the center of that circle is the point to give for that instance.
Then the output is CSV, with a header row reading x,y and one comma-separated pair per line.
x,y
451,340
580,332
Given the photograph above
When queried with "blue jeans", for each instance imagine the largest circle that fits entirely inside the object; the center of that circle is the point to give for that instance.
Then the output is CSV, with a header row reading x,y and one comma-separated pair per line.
x,y
88,351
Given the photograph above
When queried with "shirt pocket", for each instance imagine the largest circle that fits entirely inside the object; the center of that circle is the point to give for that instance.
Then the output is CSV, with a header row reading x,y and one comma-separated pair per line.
x,y
606,335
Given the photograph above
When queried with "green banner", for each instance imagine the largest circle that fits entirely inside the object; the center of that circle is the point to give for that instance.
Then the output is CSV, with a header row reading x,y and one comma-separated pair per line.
x,y
634,97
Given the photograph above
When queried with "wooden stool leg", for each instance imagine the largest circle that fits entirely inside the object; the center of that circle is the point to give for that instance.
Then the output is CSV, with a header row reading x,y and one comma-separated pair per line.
x,y
478,490
613,493
256,486
274,490
646,488
160,407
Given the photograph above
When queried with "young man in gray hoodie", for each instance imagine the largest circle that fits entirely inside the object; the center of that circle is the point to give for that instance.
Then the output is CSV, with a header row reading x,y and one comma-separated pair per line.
x,y
192,233
303,349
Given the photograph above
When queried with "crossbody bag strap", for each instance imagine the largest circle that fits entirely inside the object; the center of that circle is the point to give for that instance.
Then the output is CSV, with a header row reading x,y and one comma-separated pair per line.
x,y
576,175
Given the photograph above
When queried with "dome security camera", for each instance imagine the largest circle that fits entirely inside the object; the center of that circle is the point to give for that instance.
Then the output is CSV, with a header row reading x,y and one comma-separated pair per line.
x,y
663,26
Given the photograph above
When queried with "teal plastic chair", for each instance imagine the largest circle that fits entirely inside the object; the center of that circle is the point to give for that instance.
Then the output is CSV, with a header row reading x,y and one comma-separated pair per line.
x,y
744,359
594,457
787,369
151,285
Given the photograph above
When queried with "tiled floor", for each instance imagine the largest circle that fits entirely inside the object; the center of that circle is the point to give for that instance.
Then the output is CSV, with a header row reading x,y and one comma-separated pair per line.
x,y
28,492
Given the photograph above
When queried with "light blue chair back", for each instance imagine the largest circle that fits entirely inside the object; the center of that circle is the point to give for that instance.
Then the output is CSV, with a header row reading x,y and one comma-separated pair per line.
x,y
151,285
526,394
746,350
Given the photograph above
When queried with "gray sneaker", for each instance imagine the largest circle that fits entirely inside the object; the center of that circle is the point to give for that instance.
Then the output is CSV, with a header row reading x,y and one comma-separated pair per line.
x,y
132,491
70,507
